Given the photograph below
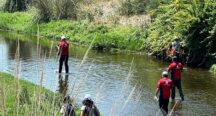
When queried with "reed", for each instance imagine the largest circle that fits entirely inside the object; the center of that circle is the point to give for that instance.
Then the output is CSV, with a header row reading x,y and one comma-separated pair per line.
x,y
173,108
97,97
128,98
3,102
125,85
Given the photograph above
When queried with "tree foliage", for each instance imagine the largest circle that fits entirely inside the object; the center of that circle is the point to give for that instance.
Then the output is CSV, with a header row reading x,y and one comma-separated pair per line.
x,y
201,35
15,5
55,9
132,7
193,21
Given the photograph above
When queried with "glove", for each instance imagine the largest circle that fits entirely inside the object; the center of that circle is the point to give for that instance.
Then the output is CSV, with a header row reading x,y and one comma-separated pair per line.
x,y
155,98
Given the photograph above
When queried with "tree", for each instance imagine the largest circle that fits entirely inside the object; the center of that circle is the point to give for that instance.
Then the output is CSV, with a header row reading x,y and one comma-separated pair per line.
x,y
15,5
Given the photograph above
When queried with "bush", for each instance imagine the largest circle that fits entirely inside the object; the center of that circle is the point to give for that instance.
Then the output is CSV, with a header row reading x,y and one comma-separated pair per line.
x,y
201,37
132,7
55,9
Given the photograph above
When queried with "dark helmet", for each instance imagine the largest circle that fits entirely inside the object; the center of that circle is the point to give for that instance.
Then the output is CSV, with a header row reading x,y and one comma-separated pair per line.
x,y
67,98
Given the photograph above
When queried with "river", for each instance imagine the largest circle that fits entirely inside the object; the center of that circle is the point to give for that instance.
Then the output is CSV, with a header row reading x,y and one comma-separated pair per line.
x,y
120,83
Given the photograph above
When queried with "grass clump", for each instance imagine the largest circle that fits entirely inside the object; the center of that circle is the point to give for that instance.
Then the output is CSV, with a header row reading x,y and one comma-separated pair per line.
x,y
28,97
18,21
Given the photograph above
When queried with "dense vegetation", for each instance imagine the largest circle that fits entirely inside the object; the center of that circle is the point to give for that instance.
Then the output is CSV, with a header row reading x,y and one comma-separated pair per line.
x,y
192,21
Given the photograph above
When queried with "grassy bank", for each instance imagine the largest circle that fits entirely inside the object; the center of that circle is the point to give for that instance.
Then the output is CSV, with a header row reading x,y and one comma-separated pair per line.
x,y
19,97
82,32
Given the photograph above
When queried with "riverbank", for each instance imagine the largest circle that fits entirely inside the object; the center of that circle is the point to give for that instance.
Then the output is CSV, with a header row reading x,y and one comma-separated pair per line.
x,y
154,39
106,36
19,97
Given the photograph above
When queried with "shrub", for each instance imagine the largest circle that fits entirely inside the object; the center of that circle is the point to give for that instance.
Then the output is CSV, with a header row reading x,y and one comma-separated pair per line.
x,y
55,9
132,7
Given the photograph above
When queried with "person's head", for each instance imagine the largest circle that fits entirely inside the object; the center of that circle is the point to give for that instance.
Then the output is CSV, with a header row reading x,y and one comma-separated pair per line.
x,y
66,99
164,74
63,37
174,59
87,100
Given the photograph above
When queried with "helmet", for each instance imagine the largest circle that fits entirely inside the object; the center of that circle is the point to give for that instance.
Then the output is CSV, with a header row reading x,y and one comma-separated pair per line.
x,y
63,37
164,73
88,97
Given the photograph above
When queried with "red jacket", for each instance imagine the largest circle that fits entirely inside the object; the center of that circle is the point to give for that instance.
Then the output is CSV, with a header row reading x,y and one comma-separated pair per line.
x,y
63,47
175,68
164,84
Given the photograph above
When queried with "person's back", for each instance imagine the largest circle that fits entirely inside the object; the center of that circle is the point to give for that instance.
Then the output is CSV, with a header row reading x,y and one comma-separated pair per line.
x,y
67,108
64,47
165,85
175,68
90,111
89,108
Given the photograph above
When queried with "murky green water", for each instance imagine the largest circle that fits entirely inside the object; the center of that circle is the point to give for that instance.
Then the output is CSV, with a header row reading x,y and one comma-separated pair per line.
x,y
107,77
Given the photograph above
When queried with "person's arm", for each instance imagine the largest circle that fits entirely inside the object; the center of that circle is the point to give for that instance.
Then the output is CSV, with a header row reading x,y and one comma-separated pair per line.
x,y
82,111
62,110
156,94
97,111
169,68
157,91
58,48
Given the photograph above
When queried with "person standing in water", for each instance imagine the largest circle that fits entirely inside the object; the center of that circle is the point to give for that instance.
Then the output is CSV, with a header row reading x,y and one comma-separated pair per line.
x,y
63,52
175,69
164,86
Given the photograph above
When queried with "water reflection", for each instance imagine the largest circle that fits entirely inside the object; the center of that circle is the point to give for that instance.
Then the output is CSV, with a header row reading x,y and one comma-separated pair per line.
x,y
63,84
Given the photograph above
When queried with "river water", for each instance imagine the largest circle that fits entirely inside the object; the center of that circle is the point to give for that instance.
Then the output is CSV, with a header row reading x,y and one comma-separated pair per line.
x,y
120,83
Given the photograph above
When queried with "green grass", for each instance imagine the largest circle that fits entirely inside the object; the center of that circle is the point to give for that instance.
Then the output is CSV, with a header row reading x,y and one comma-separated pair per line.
x,y
106,36
32,99
18,21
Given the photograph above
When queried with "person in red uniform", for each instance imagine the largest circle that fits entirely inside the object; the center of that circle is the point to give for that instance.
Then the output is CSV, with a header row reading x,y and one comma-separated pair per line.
x,y
175,69
171,49
63,52
164,86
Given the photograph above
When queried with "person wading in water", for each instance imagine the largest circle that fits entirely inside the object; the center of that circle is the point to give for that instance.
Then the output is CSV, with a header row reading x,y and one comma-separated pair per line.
x,y
63,52
164,86
175,69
